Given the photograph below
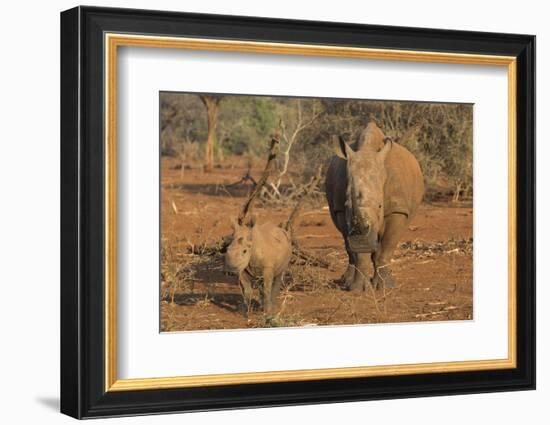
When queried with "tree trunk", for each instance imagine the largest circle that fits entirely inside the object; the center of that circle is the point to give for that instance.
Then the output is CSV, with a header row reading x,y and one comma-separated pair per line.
x,y
182,169
212,105
458,189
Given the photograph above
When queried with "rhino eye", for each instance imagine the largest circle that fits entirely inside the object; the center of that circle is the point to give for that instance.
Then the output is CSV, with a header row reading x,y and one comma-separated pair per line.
x,y
380,206
240,240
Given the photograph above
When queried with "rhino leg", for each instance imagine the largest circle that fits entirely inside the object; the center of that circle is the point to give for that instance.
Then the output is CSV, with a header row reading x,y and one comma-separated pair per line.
x,y
267,290
360,278
276,290
349,276
394,226
246,289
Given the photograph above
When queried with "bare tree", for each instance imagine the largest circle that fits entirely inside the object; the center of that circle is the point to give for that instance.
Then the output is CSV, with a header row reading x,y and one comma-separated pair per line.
x,y
289,138
211,104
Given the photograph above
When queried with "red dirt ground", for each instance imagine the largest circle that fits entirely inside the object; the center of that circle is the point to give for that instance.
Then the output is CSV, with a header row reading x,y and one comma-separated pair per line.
x,y
432,266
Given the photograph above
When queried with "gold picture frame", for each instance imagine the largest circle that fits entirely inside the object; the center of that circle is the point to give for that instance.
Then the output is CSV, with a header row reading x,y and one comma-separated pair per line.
x,y
114,41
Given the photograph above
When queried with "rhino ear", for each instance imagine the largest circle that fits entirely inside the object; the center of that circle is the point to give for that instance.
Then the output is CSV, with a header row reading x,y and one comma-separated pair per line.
x,y
341,148
383,153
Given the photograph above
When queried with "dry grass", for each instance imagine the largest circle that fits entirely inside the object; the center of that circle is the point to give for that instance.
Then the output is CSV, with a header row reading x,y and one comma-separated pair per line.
x,y
181,279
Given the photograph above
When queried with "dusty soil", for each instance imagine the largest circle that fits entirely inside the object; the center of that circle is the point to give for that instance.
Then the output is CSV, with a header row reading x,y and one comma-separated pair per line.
x,y
432,266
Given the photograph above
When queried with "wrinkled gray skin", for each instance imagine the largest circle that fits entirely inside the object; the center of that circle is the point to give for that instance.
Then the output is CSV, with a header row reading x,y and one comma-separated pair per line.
x,y
374,188
259,251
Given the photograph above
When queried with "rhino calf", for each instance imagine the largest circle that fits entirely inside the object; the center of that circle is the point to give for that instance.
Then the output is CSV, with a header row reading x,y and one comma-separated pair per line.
x,y
259,251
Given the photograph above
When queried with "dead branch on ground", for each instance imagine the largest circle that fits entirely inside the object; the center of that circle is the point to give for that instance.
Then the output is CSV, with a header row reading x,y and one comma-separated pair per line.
x,y
245,178
302,257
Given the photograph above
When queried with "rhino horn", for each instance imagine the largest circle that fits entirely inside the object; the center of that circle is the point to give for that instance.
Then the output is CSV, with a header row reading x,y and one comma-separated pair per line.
x,y
371,137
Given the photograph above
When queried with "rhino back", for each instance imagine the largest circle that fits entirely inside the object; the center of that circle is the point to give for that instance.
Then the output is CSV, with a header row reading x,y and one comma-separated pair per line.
x,y
271,248
404,186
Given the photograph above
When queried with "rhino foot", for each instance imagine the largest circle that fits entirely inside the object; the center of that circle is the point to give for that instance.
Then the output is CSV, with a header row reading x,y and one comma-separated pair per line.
x,y
268,309
356,287
244,308
247,305
358,284
349,276
383,278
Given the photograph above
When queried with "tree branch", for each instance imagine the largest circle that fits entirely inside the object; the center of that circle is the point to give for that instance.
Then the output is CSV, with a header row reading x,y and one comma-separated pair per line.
x,y
273,151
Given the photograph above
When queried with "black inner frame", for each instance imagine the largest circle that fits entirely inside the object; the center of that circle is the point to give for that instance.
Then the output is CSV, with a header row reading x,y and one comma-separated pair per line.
x,y
82,212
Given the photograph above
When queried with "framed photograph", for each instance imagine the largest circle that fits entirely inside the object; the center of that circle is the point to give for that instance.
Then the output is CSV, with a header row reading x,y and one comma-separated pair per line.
x,y
261,212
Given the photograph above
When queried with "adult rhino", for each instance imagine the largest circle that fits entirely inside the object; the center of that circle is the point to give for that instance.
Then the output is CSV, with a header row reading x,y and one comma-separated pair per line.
x,y
374,188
